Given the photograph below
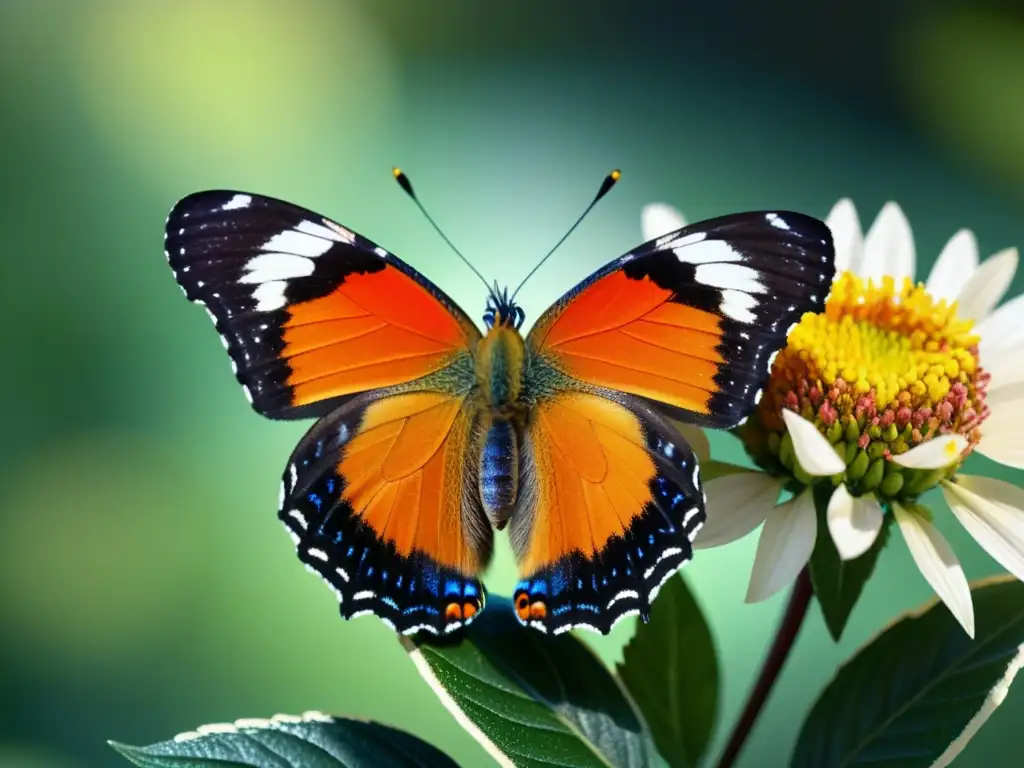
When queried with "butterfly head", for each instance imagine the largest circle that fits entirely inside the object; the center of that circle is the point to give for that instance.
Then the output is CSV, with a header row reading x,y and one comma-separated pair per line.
x,y
502,310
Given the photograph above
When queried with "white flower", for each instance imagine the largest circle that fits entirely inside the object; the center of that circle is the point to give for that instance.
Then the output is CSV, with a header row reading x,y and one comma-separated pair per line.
x,y
982,383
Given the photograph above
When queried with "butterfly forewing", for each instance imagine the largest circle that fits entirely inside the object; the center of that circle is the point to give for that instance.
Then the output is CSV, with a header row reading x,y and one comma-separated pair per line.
x,y
309,311
692,320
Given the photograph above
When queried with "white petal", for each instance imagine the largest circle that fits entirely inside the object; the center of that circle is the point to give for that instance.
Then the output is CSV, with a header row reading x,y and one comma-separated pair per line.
x,y
954,266
1002,330
853,521
1005,366
813,450
736,505
659,219
889,246
784,548
987,285
847,236
1002,434
696,438
936,453
938,564
993,513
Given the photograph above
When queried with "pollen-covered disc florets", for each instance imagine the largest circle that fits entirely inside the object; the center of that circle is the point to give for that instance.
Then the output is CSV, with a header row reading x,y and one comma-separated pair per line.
x,y
883,369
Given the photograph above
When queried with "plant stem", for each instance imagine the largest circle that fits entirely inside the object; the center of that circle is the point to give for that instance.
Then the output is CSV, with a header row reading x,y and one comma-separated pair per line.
x,y
785,636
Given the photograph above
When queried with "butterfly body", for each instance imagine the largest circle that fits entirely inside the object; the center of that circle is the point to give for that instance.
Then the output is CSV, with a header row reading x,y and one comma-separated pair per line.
x,y
430,434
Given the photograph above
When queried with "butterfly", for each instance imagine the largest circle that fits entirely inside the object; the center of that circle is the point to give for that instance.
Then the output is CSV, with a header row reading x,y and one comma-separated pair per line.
x,y
432,434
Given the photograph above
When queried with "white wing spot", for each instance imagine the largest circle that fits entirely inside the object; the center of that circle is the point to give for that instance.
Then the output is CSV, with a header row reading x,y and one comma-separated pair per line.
x,y
380,252
238,201
319,554
365,594
298,243
737,305
270,296
695,250
777,221
276,266
730,276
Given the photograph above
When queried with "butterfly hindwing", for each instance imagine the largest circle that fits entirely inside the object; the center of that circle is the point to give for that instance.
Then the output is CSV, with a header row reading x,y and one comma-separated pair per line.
x,y
610,502
692,320
309,311
383,505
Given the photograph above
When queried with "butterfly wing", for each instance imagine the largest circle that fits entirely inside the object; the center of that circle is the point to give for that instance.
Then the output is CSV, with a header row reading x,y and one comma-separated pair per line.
x,y
691,321
382,504
611,503
319,321
684,327
310,312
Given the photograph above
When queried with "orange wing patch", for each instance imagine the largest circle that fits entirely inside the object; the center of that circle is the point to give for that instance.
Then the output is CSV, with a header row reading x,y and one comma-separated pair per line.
x,y
374,330
625,334
404,474
592,472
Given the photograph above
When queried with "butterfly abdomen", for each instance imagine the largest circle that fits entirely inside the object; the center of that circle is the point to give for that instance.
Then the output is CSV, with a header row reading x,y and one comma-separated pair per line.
x,y
499,472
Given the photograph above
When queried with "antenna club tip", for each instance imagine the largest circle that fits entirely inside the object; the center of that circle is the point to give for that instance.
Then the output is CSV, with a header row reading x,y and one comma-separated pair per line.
x,y
396,172
614,175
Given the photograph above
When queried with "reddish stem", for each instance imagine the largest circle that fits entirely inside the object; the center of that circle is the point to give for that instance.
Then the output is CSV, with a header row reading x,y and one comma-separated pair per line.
x,y
785,636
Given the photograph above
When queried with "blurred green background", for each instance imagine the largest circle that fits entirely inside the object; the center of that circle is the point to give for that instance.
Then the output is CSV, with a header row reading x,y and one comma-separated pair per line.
x,y
145,585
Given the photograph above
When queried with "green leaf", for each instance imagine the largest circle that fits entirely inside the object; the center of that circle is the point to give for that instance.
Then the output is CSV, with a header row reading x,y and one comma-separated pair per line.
x,y
313,740
671,671
921,689
531,699
837,582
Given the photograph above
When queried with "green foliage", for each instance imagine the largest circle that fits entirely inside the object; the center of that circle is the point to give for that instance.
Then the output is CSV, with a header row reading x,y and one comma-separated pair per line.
x,y
921,689
311,741
837,582
534,700
670,669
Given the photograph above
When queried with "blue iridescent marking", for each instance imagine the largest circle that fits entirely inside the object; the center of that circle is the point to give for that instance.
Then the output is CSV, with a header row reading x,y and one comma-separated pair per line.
x,y
558,583
330,485
562,609
431,581
451,587
579,583
588,607
389,601
522,585
337,537
639,552
469,590
369,571
604,581
539,587
431,610
384,576
593,581
412,585
350,551
398,582
614,573
677,499
650,539
316,500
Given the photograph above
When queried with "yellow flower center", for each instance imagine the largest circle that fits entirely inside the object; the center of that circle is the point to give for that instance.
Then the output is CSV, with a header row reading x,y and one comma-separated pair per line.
x,y
882,369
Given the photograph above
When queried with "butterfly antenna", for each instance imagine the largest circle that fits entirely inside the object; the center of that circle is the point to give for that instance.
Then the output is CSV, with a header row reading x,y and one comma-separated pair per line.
x,y
404,183
606,185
